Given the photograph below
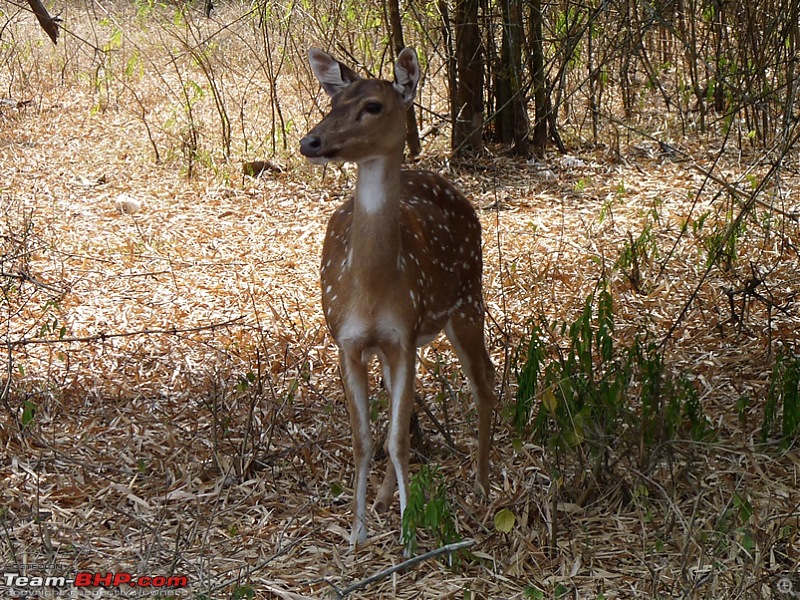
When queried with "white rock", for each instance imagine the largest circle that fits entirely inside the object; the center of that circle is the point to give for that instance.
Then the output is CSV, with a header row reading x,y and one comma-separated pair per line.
x,y
128,205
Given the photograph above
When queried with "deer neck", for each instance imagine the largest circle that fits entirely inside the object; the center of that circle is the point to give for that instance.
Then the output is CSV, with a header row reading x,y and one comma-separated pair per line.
x,y
375,234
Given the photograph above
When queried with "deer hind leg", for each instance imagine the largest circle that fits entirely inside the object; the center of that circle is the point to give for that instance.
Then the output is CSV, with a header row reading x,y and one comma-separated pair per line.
x,y
465,332
386,492
354,376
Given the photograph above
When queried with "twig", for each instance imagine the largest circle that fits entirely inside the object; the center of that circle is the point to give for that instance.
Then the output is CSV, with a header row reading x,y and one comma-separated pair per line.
x,y
745,195
411,562
99,337
7,386
22,276
255,568
441,428
732,188
734,224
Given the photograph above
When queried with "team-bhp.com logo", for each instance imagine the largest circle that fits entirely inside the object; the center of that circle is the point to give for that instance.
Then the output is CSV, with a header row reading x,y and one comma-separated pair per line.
x,y
84,579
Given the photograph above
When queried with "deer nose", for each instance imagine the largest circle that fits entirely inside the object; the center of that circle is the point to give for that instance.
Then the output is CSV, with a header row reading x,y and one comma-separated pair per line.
x,y
310,145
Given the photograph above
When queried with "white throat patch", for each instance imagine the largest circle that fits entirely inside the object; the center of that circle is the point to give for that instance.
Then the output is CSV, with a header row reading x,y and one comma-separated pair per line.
x,y
371,190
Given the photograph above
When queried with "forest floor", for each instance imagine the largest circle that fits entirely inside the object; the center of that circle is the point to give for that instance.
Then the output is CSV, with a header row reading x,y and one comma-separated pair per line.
x,y
175,408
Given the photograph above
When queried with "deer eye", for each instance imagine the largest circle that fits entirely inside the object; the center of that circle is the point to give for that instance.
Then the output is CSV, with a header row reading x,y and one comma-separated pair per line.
x,y
373,108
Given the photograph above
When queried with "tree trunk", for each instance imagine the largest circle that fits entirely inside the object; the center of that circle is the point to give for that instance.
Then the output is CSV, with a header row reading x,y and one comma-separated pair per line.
x,y
452,78
512,121
396,31
539,83
719,62
467,133
791,85
48,23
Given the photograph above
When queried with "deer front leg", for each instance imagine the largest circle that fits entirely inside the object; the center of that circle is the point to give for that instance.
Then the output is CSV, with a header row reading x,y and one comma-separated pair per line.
x,y
354,375
400,365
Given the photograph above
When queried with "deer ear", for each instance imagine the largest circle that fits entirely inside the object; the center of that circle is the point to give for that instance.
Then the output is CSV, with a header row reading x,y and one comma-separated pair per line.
x,y
406,75
333,75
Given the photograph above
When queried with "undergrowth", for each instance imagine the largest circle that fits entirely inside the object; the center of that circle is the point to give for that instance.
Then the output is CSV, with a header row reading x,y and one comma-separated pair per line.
x,y
782,407
596,405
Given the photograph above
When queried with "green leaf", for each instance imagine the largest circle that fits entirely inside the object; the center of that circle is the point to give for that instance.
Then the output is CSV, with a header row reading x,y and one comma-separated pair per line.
x,y
28,412
243,592
534,593
748,543
549,401
504,521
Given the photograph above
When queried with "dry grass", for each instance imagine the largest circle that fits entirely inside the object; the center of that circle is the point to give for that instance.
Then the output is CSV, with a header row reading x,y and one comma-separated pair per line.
x,y
152,451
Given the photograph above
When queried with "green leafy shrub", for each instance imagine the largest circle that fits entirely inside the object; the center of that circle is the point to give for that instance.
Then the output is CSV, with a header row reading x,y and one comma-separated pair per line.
x,y
589,395
428,510
784,393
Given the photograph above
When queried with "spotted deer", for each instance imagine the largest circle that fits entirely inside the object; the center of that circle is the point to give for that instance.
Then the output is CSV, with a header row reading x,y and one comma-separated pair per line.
x,y
401,261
